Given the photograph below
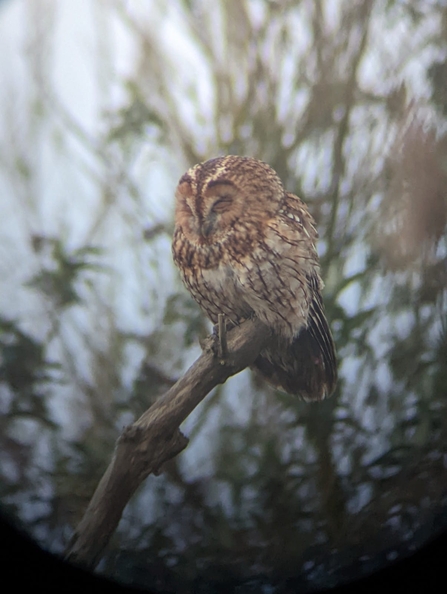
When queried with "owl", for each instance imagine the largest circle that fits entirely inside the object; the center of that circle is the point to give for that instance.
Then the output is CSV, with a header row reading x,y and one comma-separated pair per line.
x,y
247,248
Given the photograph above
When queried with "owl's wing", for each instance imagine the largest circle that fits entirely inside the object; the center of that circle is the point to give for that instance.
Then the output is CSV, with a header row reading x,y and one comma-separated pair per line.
x,y
320,334
273,275
307,366
303,361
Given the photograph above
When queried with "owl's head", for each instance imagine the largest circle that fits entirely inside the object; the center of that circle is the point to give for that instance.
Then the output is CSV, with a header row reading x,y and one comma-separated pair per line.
x,y
213,196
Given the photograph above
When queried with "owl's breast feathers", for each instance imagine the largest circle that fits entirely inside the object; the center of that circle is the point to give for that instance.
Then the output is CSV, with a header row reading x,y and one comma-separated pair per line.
x,y
210,272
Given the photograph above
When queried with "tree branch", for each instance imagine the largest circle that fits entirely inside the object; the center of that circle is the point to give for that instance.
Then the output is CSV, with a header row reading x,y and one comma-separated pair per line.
x,y
155,438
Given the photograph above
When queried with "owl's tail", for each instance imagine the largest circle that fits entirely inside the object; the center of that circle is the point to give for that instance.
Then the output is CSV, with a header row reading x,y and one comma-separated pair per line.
x,y
307,367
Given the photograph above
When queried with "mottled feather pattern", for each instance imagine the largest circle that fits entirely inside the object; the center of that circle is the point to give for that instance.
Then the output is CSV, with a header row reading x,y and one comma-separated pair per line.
x,y
246,247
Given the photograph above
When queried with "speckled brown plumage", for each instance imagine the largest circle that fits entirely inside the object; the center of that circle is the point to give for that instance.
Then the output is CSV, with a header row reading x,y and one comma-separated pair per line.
x,y
244,247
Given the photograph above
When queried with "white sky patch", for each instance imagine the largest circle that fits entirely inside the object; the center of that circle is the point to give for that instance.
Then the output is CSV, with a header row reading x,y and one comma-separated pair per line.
x,y
351,368
392,29
349,298
257,10
314,161
332,10
74,54
187,76
356,261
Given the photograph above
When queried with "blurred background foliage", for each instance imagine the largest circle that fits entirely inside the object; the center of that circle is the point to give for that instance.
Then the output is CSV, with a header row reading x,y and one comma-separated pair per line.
x,y
347,101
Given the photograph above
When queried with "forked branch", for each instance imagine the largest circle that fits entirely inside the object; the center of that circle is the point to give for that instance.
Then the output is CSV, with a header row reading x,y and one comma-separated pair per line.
x,y
155,437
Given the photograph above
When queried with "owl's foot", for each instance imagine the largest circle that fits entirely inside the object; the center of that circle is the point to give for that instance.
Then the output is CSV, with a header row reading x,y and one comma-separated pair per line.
x,y
229,325
217,341
222,347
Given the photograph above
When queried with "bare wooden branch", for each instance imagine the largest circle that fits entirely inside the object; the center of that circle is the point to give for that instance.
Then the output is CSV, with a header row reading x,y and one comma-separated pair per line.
x,y
155,438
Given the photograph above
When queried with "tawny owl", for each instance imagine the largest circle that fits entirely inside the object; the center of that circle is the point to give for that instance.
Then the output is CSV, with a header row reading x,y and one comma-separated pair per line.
x,y
246,247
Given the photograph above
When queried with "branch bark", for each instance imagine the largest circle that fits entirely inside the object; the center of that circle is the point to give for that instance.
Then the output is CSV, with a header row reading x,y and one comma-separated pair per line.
x,y
155,438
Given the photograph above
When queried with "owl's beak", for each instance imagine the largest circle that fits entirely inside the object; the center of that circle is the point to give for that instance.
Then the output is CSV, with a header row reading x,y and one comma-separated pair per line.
x,y
206,227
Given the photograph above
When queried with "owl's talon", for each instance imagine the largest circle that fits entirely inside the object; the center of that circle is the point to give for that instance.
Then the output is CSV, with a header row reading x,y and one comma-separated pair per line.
x,y
229,325
217,341
222,346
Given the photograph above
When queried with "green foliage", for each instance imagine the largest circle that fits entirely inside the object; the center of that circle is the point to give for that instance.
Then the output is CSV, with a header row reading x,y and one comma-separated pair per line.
x,y
437,74
25,369
58,281
134,120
